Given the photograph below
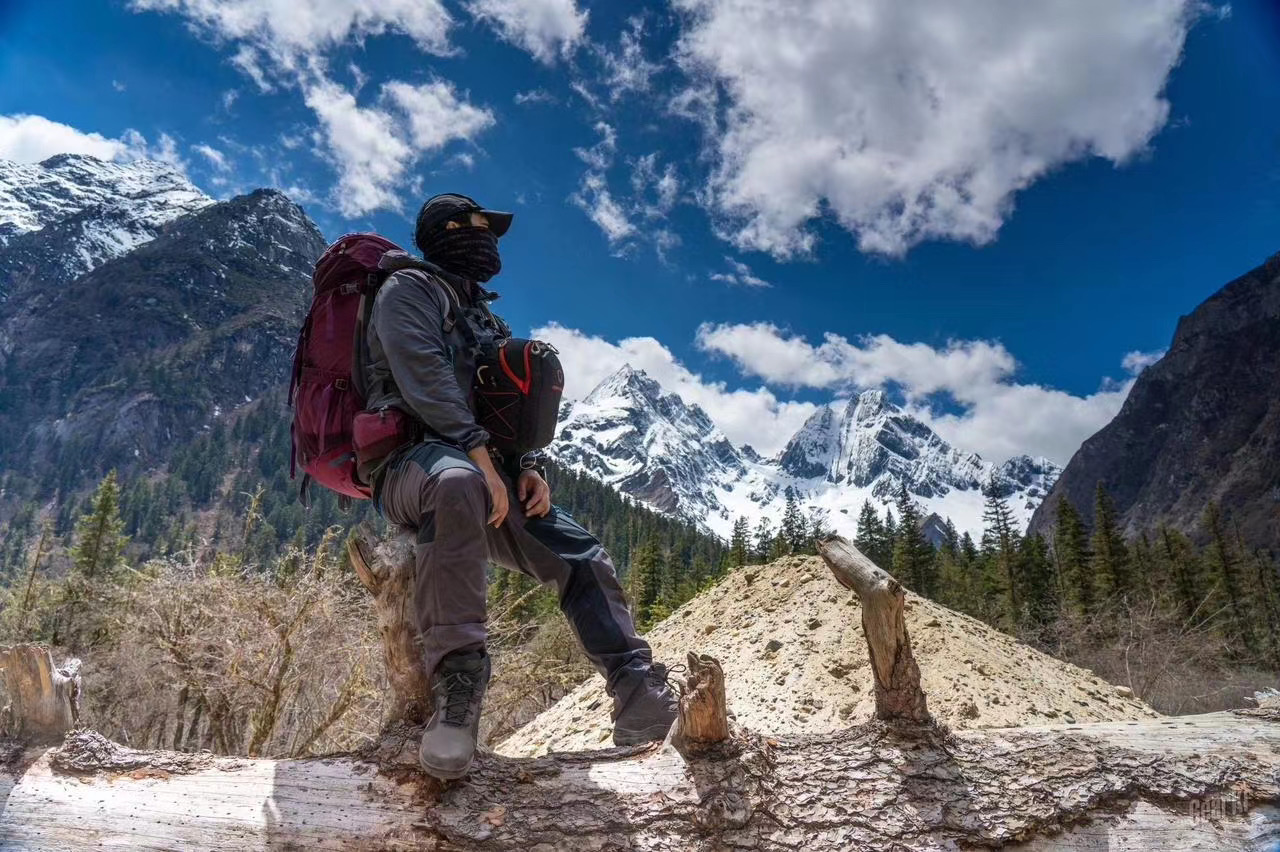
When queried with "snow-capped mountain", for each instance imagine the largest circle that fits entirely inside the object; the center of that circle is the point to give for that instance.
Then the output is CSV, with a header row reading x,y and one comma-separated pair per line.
x,y
632,434
71,213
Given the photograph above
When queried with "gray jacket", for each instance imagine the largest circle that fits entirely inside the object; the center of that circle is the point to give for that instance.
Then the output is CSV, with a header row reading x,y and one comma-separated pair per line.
x,y
416,355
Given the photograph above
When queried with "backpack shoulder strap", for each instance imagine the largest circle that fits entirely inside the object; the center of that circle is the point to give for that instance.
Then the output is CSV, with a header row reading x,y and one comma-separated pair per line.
x,y
451,298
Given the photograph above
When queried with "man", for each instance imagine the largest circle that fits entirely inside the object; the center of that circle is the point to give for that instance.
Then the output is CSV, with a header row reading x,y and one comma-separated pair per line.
x,y
468,505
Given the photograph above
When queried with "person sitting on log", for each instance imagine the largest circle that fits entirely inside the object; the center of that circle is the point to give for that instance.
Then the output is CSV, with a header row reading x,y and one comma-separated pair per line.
x,y
468,505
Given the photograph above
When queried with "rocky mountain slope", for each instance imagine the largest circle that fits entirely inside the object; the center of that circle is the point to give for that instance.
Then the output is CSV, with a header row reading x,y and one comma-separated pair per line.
x,y
795,661
633,434
67,215
117,367
1202,424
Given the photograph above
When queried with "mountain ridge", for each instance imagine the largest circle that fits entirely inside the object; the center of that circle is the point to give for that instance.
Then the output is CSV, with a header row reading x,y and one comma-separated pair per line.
x,y
1201,425
632,433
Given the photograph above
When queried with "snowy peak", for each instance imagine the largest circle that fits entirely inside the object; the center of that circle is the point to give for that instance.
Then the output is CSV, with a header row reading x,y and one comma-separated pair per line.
x,y
627,384
633,434
34,196
646,442
811,452
71,213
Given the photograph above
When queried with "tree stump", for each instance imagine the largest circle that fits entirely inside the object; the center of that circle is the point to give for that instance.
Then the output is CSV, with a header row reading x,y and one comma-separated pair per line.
x,y
44,701
898,693
704,718
386,568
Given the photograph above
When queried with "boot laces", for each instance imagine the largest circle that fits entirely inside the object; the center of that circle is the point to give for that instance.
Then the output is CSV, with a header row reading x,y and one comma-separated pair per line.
x,y
659,676
460,690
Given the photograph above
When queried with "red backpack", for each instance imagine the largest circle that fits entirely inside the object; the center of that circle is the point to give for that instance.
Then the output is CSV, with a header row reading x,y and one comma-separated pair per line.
x,y
325,395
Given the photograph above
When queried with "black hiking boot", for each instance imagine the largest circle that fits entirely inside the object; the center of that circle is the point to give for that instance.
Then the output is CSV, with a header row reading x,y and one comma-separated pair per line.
x,y
449,741
644,705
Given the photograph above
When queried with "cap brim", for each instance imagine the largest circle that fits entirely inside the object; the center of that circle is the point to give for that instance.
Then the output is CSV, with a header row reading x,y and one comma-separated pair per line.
x,y
498,222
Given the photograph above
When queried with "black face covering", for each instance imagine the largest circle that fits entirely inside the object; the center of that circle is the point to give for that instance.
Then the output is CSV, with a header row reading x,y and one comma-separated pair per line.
x,y
470,252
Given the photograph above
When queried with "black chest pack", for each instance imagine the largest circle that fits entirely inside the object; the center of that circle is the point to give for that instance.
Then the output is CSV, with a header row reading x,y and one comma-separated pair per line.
x,y
517,385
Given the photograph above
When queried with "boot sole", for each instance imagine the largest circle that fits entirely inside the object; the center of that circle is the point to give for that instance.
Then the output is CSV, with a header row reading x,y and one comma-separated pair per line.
x,y
653,733
446,774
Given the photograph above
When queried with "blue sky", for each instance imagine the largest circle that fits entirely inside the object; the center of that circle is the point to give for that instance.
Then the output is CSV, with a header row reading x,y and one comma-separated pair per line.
x,y
765,208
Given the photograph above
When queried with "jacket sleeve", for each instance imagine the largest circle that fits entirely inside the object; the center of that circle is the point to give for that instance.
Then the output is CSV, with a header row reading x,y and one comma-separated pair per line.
x,y
409,320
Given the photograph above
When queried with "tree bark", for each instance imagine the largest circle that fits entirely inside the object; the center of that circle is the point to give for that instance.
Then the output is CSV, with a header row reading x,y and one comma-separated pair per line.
x,y
386,568
44,701
1200,782
704,718
899,695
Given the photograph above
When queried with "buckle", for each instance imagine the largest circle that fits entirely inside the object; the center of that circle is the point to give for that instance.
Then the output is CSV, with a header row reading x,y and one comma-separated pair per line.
x,y
341,384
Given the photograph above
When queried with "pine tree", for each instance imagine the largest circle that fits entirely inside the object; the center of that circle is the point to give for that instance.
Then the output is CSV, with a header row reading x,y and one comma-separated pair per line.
x,y
1111,561
1183,567
645,581
763,540
913,557
99,543
870,534
793,526
1071,552
779,547
1225,570
1268,602
1000,541
1039,591
739,547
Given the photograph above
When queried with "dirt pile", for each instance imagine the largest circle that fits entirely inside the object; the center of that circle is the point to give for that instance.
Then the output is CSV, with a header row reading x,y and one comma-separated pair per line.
x,y
790,639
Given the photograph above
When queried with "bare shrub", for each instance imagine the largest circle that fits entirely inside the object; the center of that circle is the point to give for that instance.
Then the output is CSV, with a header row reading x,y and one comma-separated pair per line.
x,y
238,661
1175,663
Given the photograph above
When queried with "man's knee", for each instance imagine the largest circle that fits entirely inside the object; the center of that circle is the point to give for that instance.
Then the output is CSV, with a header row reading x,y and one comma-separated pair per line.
x,y
460,486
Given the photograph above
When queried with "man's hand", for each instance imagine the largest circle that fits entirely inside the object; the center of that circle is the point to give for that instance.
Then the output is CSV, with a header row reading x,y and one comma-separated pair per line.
x,y
534,493
497,487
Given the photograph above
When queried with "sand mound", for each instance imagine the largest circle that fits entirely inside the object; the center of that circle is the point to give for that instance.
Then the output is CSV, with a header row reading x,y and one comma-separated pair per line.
x,y
790,640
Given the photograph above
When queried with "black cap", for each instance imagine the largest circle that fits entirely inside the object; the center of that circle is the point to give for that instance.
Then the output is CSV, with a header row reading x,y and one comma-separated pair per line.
x,y
440,209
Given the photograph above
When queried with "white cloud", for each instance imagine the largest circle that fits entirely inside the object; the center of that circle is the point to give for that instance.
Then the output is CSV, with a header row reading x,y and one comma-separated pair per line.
x,y
910,120
1135,362
229,98
32,138
289,32
373,147
436,115
216,158
544,28
165,150
1010,419
624,220
595,199
662,183
764,350
593,196
118,86
998,417
753,416
627,69
534,96
740,275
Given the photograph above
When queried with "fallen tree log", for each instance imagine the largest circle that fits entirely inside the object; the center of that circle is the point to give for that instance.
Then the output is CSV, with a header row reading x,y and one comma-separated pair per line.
x,y
1202,782
899,782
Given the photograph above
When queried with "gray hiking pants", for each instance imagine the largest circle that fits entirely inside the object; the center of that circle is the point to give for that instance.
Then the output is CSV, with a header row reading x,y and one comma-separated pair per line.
x,y
435,490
